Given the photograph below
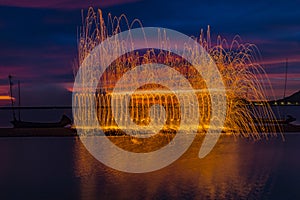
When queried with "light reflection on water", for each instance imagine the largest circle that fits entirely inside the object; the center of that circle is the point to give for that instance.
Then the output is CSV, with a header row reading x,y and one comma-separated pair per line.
x,y
61,168
234,169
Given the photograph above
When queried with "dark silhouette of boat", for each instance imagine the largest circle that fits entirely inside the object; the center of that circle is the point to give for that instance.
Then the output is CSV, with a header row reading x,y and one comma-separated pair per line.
x,y
286,121
23,124
18,123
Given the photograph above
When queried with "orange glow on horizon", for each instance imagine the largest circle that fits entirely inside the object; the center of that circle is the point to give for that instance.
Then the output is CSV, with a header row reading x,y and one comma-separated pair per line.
x,y
6,97
70,89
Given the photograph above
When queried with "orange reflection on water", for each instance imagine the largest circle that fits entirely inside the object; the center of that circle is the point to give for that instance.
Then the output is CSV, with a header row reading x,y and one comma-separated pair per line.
x,y
234,169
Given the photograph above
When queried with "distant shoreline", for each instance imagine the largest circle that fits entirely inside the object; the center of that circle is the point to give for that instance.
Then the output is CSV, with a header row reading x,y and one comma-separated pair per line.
x,y
69,132
70,107
35,107
37,132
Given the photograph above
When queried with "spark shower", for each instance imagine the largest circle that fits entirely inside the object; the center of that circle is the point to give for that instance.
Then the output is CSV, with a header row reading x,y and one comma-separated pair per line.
x,y
171,100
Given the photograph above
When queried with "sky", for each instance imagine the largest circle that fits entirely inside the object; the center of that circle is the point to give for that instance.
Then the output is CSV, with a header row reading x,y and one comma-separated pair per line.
x,y
38,38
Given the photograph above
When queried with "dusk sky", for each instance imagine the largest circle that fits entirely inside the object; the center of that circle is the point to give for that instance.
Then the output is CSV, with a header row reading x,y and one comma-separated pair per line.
x,y
38,38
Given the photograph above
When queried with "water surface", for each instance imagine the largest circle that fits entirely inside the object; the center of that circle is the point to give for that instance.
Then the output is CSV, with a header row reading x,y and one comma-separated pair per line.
x,y
61,168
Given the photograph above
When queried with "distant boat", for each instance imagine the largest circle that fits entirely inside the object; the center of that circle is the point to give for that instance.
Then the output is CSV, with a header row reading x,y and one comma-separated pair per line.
x,y
23,124
286,121
18,123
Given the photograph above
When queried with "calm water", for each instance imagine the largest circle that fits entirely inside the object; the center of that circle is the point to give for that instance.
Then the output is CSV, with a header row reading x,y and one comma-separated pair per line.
x,y
61,168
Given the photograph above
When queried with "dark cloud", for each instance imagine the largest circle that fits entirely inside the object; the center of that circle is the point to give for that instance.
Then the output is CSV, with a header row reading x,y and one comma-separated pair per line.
x,y
63,4
46,94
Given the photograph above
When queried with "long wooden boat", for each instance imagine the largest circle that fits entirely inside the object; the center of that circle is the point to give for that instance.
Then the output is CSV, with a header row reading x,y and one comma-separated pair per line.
x,y
23,124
